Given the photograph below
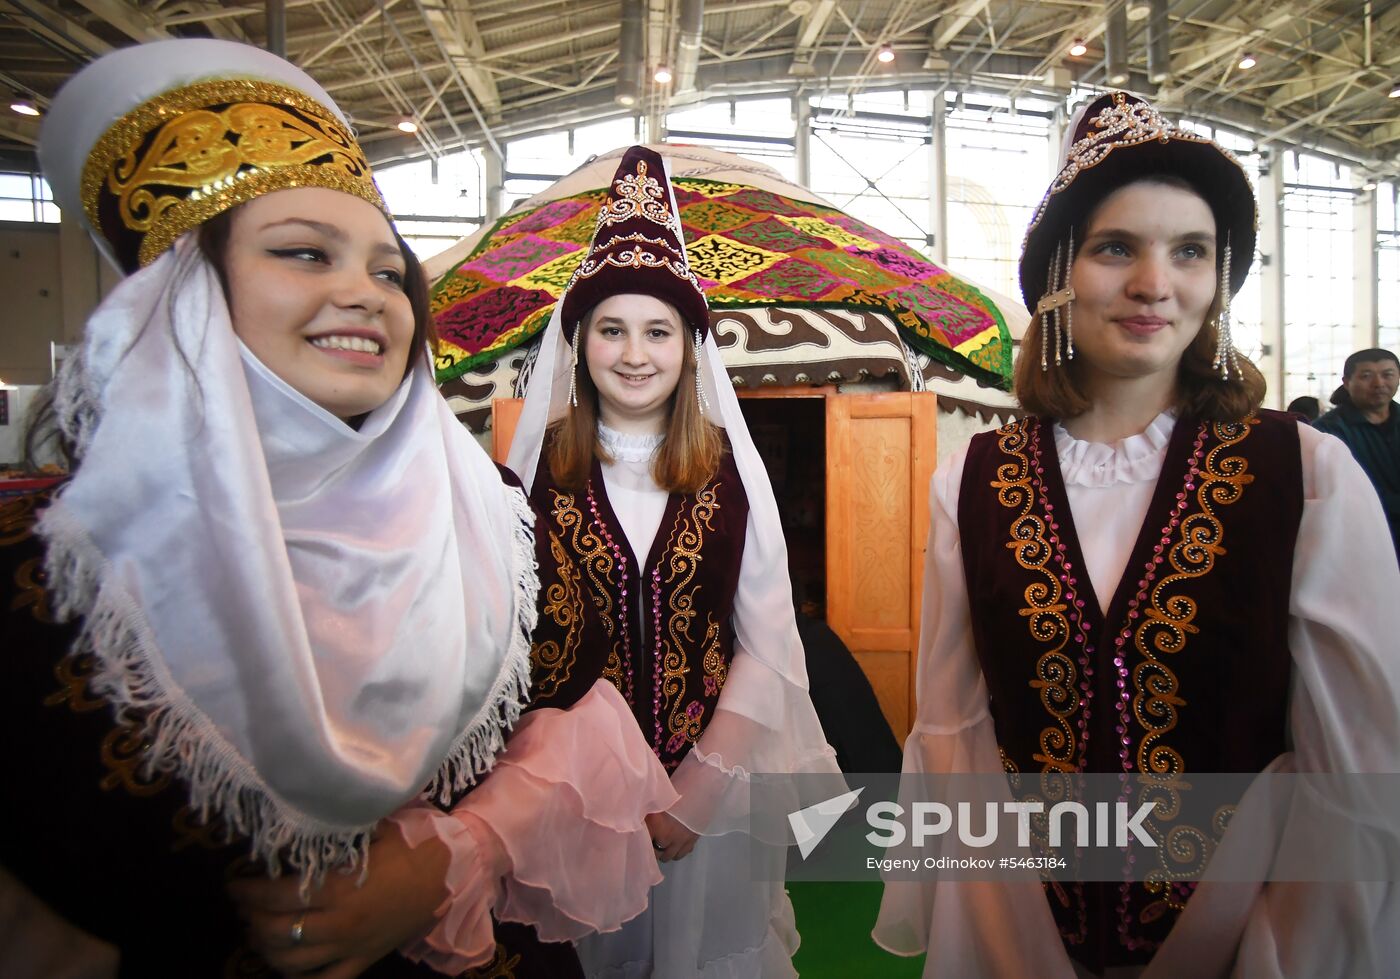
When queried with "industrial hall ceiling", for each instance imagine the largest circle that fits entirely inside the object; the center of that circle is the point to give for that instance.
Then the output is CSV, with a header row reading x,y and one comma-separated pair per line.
x,y
1323,74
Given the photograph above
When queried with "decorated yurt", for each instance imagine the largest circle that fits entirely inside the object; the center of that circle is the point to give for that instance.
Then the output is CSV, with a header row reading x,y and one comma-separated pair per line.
x,y
857,360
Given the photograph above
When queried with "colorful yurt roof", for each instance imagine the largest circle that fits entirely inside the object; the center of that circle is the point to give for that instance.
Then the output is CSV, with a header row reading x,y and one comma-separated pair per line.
x,y
799,291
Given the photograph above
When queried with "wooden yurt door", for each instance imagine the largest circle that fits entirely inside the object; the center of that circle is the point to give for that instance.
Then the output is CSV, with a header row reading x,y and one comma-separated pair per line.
x,y
880,455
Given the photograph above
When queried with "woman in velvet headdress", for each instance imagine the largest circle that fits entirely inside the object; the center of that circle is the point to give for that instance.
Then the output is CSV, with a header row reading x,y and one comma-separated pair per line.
x,y
279,620
1149,573
632,445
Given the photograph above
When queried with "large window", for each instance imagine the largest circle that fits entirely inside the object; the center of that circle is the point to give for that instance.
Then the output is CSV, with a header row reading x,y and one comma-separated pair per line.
x,y
870,157
759,129
1388,264
26,197
434,206
1318,273
998,166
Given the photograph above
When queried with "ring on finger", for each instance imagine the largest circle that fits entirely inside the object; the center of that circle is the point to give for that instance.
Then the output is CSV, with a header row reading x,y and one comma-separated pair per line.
x,y
659,846
299,929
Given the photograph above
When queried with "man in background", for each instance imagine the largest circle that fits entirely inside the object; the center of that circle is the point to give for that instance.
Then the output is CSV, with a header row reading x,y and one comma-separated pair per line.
x,y
1367,419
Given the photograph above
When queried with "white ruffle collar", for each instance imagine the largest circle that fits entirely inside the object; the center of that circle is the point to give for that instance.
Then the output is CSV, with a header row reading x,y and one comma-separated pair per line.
x,y
628,447
1135,459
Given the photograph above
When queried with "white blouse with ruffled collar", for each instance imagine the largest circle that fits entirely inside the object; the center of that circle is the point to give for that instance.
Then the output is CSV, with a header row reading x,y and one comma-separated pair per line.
x,y
636,499
1110,487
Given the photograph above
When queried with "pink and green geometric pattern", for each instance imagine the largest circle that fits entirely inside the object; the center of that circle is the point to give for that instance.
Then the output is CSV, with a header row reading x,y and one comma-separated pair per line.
x,y
748,247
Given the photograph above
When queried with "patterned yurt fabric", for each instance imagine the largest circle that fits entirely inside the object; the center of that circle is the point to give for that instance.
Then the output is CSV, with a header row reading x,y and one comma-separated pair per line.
x,y
799,292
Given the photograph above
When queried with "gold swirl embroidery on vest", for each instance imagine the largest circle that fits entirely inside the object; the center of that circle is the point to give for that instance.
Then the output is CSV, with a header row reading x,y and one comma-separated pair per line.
x,y
501,966
554,661
124,753
716,669
73,672
17,518
30,590
687,541
1169,616
193,830
592,554
1055,671
590,551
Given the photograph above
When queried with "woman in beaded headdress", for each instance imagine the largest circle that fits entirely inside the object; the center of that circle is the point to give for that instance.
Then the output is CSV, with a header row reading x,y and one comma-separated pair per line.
x,y
1149,573
279,620
631,441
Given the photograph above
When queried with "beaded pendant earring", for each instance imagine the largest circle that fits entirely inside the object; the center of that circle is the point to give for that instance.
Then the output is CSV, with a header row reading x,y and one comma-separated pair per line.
x,y
573,368
700,398
1059,293
1225,359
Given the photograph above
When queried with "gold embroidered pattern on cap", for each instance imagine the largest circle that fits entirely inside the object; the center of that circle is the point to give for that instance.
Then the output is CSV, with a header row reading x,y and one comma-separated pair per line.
x,y
182,157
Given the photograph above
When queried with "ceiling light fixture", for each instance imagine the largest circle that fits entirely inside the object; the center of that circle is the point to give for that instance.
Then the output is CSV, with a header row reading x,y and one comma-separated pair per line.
x,y
1078,49
407,125
24,107
885,55
1247,61
663,75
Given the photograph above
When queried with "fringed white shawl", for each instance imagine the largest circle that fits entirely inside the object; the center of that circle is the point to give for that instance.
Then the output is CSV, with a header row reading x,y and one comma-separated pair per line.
x,y
317,623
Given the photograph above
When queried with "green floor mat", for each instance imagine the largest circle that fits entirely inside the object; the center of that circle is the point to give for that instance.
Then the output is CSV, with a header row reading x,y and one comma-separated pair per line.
x,y
834,920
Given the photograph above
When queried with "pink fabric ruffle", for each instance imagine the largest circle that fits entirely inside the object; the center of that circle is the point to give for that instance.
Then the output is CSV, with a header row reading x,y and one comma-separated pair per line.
x,y
463,937
567,804
554,837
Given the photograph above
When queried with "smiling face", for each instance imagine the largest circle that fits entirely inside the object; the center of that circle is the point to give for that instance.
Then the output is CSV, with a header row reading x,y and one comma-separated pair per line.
x,y
316,291
635,349
1144,281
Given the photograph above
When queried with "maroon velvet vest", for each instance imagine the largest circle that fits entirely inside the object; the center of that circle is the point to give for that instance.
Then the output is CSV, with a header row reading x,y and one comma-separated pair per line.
x,y
669,636
1189,669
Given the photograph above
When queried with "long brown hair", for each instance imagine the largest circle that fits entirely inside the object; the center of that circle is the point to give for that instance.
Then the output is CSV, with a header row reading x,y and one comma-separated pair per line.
x,y
689,455
1058,391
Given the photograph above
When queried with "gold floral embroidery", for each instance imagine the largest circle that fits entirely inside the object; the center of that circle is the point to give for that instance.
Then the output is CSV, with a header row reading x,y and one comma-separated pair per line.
x,y
553,662
687,540
73,672
502,966
30,590
1169,617
715,668
191,830
1055,671
124,753
17,517
592,554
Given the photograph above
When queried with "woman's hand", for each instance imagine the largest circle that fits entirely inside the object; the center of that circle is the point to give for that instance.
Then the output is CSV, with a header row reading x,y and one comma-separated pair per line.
x,y
346,928
671,837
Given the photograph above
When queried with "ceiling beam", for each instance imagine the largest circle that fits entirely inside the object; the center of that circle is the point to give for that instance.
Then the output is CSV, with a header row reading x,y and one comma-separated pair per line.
x,y
962,14
127,18
43,20
1314,78
461,39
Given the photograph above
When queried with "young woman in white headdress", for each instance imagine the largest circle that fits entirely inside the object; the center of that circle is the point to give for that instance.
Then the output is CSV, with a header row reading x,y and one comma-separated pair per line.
x,y
278,621
633,448
1149,573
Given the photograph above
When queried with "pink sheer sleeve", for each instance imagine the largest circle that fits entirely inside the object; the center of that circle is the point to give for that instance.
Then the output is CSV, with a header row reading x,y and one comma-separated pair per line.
x,y
555,837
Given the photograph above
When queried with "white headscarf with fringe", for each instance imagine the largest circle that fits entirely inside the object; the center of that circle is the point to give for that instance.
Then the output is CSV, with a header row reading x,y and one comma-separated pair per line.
x,y
317,623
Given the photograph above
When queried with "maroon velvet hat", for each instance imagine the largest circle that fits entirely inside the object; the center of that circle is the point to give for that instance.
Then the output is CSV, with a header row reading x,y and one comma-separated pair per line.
x,y
636,248
1120,138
